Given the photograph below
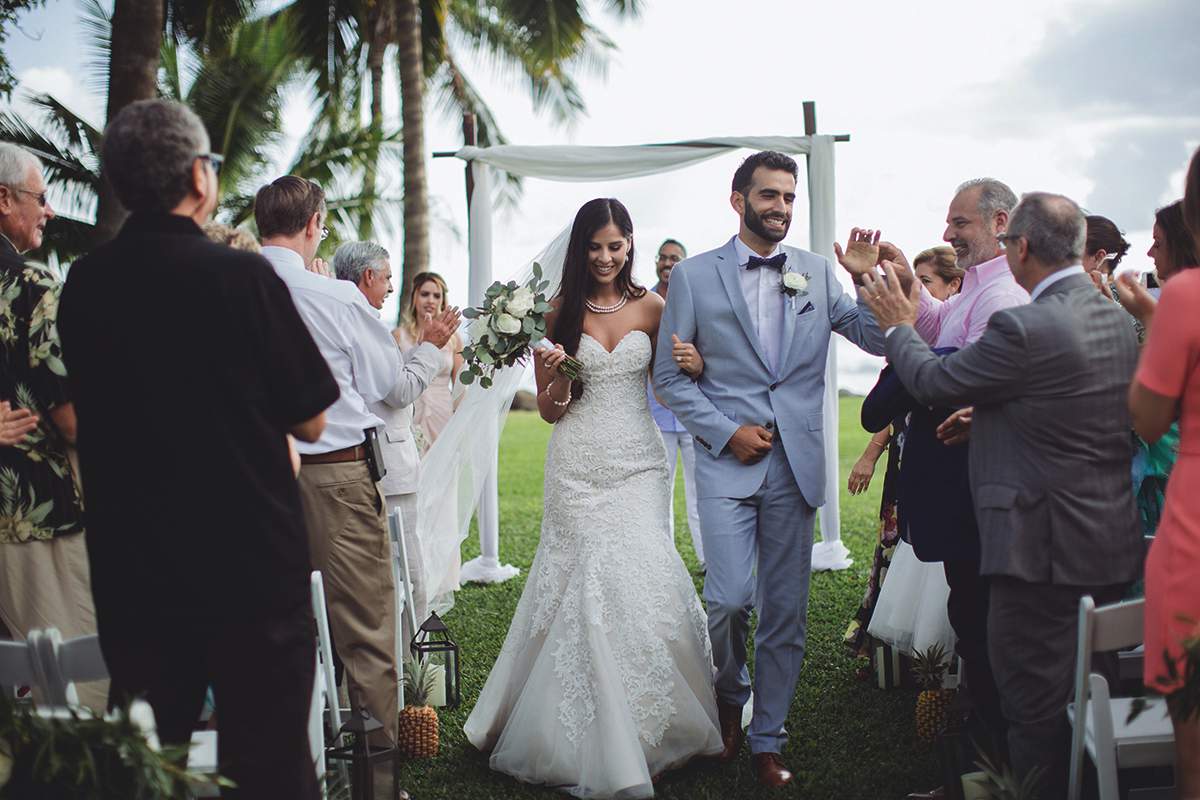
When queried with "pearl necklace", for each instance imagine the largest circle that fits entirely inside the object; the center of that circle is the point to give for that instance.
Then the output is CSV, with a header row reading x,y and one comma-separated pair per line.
x,y
617,306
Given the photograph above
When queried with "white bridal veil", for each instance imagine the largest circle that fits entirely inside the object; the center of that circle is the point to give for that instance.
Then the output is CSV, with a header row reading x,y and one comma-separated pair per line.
x,y
454,469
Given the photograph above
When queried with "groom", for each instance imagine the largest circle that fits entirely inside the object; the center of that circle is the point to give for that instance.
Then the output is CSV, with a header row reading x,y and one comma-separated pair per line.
x,y
760,314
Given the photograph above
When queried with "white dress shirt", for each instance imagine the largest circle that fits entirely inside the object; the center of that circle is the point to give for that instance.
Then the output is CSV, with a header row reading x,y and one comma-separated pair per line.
x,y
1053,278
362,355
763,290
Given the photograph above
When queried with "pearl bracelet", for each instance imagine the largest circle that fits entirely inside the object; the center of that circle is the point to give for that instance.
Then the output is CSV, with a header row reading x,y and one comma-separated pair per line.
x,y
563,404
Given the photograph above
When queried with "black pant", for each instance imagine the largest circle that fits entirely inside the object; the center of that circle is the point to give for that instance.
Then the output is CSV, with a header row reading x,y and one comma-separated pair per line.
x,y
261,671
967,608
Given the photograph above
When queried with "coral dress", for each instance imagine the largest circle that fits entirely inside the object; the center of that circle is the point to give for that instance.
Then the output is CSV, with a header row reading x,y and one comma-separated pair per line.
x,y
1170,366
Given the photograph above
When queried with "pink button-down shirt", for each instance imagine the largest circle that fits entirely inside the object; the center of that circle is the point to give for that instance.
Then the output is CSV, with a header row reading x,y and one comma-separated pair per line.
x,y
961,319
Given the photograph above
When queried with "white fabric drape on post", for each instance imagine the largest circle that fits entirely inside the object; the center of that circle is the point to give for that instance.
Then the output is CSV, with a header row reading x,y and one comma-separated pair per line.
x,y
584,163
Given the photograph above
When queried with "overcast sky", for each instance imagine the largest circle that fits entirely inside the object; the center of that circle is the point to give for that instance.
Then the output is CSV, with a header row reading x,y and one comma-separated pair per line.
x,y
1098,100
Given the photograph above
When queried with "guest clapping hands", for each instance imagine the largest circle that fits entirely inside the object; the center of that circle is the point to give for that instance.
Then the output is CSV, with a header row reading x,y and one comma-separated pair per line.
x,y
15,425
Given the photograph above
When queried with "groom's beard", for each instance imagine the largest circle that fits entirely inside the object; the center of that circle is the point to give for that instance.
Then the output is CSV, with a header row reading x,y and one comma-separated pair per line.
x,y
755,223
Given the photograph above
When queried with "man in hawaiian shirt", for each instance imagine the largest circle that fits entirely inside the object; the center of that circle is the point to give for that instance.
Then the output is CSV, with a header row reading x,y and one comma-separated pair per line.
x,y
44,578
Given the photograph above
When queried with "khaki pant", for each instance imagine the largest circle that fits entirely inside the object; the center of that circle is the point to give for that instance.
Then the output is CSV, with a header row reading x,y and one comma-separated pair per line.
x,y
348,540
46,584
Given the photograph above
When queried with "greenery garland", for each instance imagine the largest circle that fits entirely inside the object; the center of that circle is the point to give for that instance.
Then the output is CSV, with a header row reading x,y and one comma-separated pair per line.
x,y
87,758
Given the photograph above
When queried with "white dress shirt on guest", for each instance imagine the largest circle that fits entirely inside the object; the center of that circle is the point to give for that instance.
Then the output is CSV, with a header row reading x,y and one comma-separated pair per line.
x,y
762,288
357,345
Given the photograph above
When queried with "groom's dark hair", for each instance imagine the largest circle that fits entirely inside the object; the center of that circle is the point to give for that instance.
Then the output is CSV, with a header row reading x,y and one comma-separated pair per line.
x,y
767,158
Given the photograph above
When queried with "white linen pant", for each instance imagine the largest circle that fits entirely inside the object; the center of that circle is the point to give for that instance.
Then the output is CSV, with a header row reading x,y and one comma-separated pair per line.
x,y
681,443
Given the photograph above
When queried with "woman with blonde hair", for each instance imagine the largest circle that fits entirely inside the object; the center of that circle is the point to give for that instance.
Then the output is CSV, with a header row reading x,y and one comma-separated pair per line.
x,y
431,412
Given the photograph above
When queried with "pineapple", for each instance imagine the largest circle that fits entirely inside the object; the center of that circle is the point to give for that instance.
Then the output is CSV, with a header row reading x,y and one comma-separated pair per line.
x,y
934,701
418,736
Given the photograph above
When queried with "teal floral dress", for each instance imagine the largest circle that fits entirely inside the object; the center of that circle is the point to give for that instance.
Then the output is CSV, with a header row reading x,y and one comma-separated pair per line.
x,y
39,498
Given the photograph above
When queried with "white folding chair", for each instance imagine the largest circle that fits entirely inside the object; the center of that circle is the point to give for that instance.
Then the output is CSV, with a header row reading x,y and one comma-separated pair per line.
x,y
1099,720
19,665
67,663
326,682
404,598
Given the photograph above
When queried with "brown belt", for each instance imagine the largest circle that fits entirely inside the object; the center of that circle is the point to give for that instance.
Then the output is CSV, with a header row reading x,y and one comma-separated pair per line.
x,y
356,453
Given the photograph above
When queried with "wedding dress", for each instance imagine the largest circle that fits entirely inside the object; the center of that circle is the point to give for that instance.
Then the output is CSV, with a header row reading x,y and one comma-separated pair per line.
x,y
605,678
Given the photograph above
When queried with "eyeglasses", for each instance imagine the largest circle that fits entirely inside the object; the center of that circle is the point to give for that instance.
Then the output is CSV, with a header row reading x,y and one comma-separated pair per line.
x,y
1004,238
38,197
215,160
324,233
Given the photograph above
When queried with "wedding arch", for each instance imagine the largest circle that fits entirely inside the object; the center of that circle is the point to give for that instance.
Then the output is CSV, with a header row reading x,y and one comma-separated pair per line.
x,y
477,488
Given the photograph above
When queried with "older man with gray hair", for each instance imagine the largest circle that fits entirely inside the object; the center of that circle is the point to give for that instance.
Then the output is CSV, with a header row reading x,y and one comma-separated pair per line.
x,y
189,367
1049,462
44,577
368,266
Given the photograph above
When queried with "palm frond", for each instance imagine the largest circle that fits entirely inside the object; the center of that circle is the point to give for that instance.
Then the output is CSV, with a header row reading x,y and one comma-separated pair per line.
x,y
74,129
66,239
65,169
96,22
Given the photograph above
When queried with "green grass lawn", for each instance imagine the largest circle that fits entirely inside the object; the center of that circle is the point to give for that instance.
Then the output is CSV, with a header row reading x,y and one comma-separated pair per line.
x,y
849,740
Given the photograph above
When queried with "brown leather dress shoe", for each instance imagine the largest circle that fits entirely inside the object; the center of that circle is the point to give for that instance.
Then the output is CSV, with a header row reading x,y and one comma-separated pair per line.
x,y
770,769
730,717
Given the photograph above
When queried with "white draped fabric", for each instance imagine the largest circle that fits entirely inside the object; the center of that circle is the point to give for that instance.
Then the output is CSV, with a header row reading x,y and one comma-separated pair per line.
x,y
460,468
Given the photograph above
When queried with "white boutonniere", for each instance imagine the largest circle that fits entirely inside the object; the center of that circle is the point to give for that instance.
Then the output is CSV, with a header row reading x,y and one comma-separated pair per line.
x,y
794,284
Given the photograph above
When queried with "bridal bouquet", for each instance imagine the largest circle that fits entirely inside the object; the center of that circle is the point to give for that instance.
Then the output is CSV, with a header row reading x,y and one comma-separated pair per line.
x,y
509,324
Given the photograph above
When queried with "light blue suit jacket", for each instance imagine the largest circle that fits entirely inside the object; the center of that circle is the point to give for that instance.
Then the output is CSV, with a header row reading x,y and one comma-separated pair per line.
x,y
705,306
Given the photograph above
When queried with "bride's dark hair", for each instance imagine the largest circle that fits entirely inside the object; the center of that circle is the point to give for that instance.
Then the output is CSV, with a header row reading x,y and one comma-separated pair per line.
x,y
577,279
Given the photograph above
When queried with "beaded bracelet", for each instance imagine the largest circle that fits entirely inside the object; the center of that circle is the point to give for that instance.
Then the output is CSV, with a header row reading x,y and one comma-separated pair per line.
x,y
563,404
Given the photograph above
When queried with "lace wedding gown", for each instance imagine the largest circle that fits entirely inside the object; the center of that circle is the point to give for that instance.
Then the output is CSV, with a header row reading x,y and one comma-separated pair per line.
x,y
605,678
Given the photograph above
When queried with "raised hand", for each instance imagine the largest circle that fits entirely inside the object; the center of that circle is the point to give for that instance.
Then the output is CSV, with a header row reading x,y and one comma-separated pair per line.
x,y
887,300
750,443
1134,297
686,356
438,328
15,425
1102,285
861,253
890,252
318,266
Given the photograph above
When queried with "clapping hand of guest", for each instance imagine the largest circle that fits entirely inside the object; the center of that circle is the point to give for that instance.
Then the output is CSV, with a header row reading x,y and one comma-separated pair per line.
x,y
861,253
15,425
319,267
956,429
1097,277
687,357
886,297
890,252
1135,298
438,328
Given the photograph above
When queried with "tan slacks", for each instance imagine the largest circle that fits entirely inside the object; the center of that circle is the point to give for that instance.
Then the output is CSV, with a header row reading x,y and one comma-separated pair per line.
x,y
348,540
47,584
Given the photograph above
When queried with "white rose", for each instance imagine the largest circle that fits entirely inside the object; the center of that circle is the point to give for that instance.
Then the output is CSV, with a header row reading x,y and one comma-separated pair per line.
x,y
521,302
478,328
795,281
506,323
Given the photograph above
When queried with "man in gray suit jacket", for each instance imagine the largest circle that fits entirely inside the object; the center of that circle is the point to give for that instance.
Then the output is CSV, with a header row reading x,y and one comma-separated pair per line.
x,y
1049,460
760,314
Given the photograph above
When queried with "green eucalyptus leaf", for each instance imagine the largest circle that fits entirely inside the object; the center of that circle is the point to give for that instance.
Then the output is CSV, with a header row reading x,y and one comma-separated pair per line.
x,y
466,377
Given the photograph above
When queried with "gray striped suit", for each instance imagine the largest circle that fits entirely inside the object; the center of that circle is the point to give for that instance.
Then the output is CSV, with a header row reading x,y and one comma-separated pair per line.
x,y
1050,476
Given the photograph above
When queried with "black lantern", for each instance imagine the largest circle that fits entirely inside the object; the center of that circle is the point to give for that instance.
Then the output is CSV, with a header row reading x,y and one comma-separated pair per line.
x,y
363,757
433,641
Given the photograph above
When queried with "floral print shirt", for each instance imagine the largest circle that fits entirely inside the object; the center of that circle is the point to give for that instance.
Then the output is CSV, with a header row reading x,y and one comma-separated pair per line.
x,y
39,498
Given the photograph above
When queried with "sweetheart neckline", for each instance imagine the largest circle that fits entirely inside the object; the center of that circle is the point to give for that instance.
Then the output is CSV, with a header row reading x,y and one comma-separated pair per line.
x,y
620,342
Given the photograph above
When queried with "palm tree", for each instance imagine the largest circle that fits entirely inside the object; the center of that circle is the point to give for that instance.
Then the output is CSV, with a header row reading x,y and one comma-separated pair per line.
x,y
133,66
236,83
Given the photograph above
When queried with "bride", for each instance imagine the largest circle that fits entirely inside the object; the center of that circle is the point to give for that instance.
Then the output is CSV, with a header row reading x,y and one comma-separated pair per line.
x,y
605,678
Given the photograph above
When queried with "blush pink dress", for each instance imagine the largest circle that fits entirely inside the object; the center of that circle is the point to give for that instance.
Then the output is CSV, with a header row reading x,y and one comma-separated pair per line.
x,y
432,410
1170,366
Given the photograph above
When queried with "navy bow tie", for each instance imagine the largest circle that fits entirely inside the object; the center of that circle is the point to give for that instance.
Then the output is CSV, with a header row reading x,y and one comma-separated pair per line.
x,y
774,262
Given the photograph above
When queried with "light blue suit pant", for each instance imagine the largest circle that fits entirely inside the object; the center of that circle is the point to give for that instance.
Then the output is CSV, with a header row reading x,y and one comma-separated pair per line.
x,y
769,535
